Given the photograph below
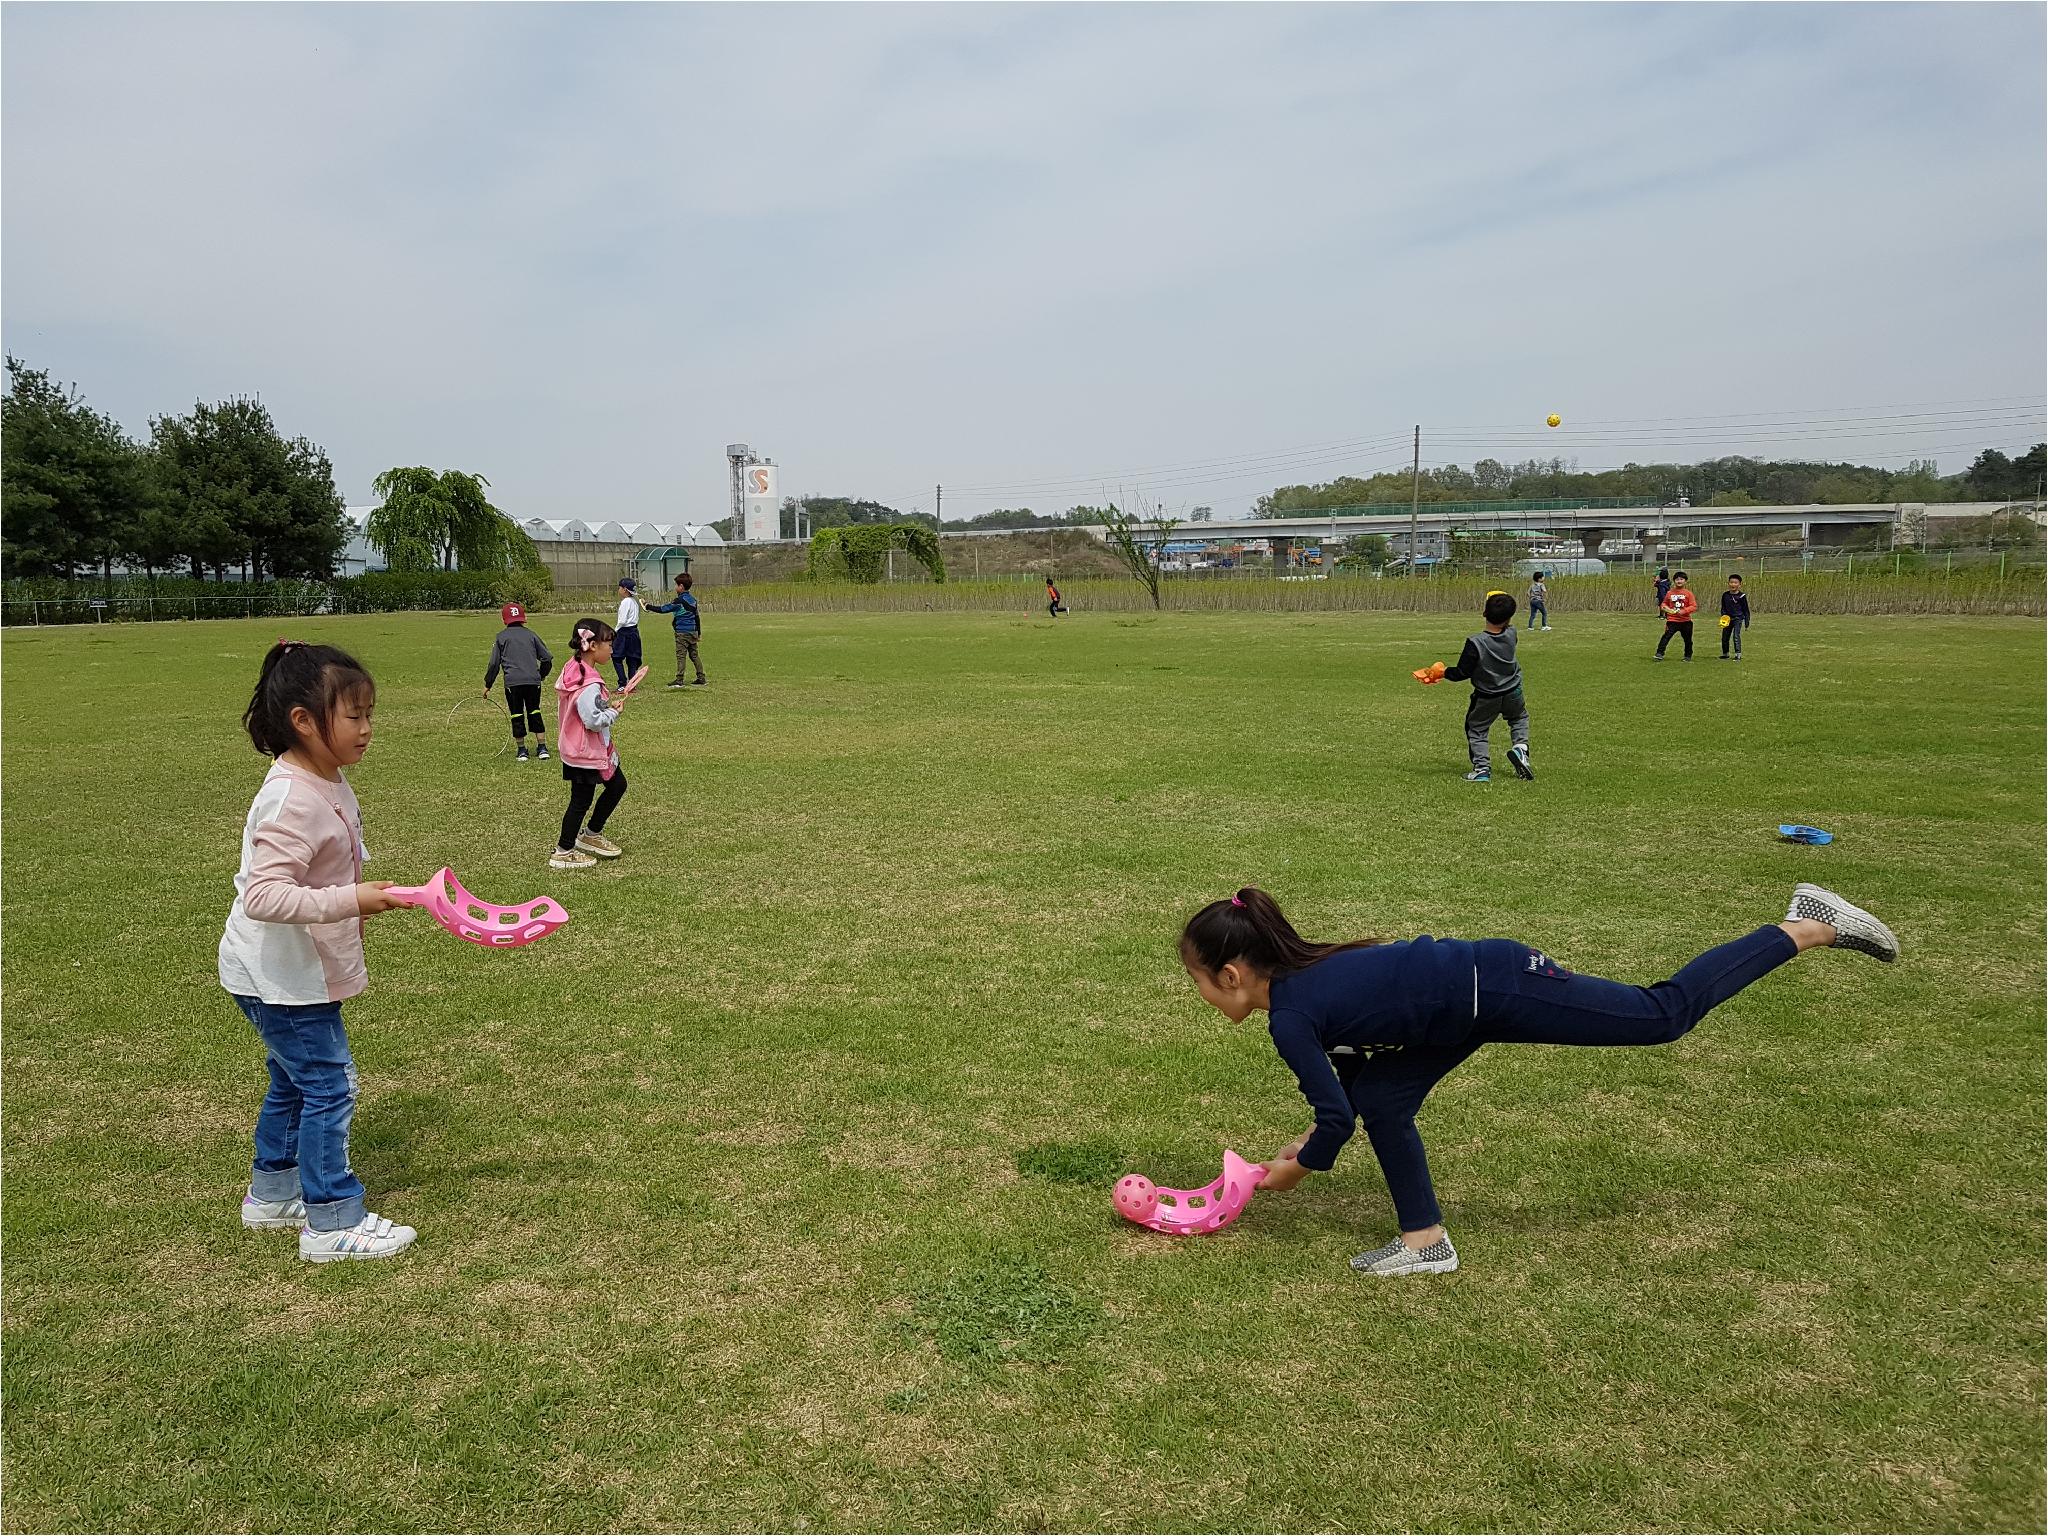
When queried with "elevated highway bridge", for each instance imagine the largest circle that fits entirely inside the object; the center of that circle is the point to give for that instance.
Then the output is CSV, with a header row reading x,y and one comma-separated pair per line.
x,y
1590,525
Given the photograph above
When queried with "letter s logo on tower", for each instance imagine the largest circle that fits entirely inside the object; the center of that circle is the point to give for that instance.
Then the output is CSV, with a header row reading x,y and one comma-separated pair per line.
x,y
758,478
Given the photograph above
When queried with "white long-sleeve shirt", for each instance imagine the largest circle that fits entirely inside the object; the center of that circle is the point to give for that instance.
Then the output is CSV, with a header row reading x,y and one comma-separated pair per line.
x,y
294,934
629,613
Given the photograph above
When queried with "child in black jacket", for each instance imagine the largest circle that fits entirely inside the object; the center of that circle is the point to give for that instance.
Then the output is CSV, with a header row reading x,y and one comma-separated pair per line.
x,y
1734,616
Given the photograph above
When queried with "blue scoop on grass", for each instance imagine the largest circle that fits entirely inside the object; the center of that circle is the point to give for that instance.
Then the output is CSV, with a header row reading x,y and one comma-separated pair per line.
x,y
1797,834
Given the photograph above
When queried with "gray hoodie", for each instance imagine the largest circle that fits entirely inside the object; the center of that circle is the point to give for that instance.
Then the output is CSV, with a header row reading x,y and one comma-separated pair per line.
x,y
519,654
1488,662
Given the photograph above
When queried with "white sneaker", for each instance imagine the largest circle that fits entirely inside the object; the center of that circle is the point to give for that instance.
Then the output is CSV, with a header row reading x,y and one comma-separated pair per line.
x,y
272,1215
1546,629
603,847
374,1237
1854,928
1397,1258
570,858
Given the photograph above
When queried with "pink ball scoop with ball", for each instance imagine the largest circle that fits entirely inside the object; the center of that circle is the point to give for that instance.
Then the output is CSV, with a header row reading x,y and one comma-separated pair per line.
x,y
1184,1212
480,922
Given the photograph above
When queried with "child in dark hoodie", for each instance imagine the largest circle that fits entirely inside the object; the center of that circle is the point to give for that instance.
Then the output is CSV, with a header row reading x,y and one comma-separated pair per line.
x,y
1488,663
520,655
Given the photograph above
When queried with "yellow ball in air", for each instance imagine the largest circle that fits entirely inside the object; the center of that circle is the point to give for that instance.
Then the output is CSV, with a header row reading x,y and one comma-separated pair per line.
x,y
1552,420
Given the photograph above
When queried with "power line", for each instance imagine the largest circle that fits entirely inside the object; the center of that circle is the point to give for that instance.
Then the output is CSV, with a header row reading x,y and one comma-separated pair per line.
x,y
1982,415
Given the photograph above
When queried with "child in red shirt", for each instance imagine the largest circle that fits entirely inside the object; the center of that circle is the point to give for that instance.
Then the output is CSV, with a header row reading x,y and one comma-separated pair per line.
x,y
1678,607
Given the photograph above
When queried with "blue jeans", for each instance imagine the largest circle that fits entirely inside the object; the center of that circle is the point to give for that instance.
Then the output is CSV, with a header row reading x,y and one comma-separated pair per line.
x,y
1537,611
302,1130
1525,998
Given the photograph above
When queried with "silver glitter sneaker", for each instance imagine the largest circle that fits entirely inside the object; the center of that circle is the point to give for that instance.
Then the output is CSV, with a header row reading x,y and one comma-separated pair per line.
x,y
1397,1258
1854,928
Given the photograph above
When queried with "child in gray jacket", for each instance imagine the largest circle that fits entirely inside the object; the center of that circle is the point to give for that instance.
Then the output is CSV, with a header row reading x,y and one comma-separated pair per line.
x,y
1488,663
520,655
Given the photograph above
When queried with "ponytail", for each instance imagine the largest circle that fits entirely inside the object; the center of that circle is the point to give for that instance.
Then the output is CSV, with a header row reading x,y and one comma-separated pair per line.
x,y
1250,928
295,675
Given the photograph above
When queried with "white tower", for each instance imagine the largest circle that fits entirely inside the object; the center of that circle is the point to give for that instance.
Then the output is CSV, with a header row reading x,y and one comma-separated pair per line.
x,y
756,507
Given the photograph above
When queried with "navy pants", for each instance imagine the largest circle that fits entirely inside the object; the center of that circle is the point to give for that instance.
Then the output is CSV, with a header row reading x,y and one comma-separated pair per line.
x,y
626,652
1544,1004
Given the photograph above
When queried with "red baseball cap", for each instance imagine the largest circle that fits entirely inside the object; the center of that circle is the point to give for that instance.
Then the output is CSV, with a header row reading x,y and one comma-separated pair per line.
x,y
512,613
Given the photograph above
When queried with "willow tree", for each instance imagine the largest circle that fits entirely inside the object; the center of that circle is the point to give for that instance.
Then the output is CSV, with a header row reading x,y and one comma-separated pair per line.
x,y
444,521
857,551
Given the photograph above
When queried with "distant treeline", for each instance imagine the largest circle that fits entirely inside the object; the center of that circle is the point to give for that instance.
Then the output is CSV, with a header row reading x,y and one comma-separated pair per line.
x,y
1727,482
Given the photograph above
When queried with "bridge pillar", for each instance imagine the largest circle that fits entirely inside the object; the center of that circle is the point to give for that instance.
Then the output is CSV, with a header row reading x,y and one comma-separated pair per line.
x,y
1592,539
1283,552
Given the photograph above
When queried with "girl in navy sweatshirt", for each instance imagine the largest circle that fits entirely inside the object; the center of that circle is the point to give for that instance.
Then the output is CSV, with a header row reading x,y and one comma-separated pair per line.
x,y
1370,1027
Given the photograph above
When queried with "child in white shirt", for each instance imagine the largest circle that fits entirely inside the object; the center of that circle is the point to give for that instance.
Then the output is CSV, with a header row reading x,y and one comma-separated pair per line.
x,y
292,951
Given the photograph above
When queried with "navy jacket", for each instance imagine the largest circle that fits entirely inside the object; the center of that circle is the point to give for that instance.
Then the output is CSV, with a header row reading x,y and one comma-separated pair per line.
x,y
1412,992
687,620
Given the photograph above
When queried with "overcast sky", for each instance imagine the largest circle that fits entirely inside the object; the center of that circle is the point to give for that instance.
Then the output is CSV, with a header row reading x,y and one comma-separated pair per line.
x,y
1035,252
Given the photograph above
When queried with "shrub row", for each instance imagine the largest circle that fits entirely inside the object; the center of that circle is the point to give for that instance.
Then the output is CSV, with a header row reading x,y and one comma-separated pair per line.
x,y
2017,593
128,599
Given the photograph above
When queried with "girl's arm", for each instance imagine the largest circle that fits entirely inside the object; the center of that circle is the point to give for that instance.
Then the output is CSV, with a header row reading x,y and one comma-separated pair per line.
x,y
591,708
277,892
1295,1038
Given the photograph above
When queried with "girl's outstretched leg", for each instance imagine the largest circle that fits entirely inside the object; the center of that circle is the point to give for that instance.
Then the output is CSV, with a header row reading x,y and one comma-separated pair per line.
x,y
1542,1003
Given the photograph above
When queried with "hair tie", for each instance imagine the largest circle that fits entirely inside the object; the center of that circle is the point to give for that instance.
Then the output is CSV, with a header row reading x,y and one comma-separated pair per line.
x,y
1236,901
583,637
284,644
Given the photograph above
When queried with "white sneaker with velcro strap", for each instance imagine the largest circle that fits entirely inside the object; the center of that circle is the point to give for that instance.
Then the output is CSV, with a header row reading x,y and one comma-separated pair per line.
x,y
374,1237
1854,928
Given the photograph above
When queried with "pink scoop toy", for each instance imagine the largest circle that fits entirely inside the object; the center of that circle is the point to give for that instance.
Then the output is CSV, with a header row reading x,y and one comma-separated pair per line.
x,y
1184,1211
478,921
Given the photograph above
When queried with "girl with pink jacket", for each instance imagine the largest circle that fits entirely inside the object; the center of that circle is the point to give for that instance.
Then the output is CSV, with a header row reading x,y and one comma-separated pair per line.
x,y
589,761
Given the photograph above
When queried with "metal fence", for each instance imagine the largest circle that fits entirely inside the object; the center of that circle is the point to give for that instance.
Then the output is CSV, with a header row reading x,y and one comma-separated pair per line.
x,y
150,609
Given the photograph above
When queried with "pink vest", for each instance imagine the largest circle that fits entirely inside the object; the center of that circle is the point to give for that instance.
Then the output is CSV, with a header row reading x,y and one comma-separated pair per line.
x,y
581,746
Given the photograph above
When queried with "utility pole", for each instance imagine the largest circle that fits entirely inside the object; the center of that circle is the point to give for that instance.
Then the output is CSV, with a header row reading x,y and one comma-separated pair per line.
x,y
1414,499
938,509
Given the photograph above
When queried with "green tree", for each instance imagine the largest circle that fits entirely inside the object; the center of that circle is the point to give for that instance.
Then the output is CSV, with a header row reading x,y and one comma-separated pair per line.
x,y
1734,498
859,551
1003,517
237,492
443,520
74,489
1995,477
838,512
1369,550
1140,558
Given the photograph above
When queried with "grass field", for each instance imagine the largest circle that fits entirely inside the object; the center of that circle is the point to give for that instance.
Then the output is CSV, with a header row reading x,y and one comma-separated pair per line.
x,y
774,1191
